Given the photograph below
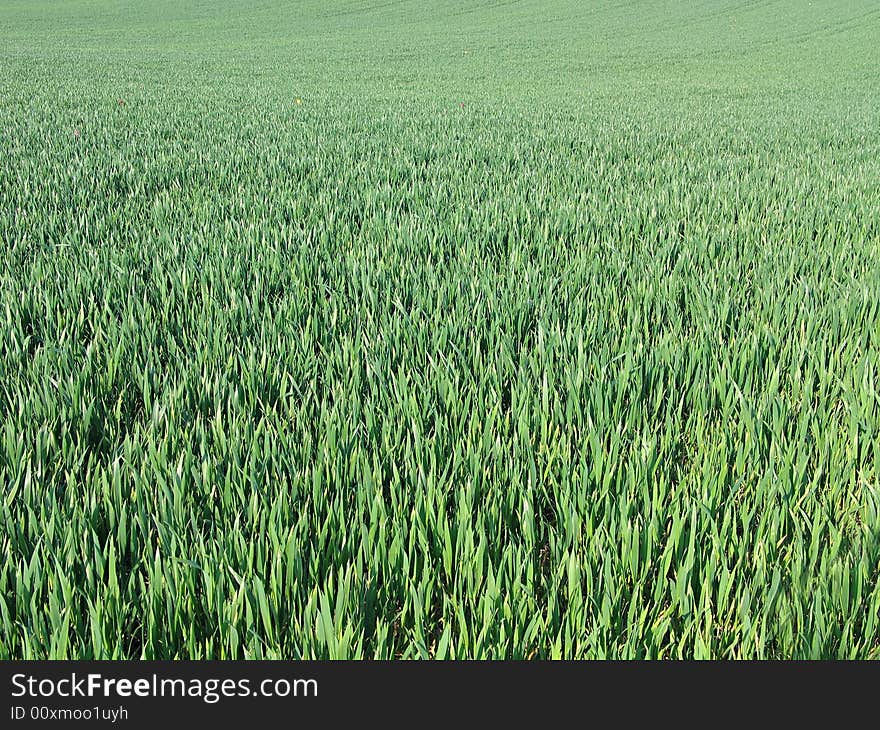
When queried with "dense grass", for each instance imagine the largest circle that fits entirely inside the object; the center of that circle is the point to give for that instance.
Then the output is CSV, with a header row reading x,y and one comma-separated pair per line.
x,y
473,329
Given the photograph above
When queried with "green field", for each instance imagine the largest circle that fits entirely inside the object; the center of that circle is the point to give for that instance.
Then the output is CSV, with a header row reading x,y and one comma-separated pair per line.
x,y
536,328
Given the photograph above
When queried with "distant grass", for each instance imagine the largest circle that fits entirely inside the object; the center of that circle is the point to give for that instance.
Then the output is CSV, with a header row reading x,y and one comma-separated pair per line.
x,y
538,329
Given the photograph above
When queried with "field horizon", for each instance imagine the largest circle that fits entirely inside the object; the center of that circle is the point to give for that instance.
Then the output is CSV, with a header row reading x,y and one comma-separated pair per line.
x,y
490,329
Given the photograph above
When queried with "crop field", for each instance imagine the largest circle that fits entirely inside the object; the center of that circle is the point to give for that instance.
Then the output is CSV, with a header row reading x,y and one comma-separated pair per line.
x,y
471,329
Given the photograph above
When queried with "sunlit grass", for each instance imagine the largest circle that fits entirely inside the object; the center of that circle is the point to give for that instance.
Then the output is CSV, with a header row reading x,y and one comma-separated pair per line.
x,y
397,334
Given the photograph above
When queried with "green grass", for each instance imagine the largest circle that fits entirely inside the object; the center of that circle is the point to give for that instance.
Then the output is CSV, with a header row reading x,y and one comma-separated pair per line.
x,y
537,329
